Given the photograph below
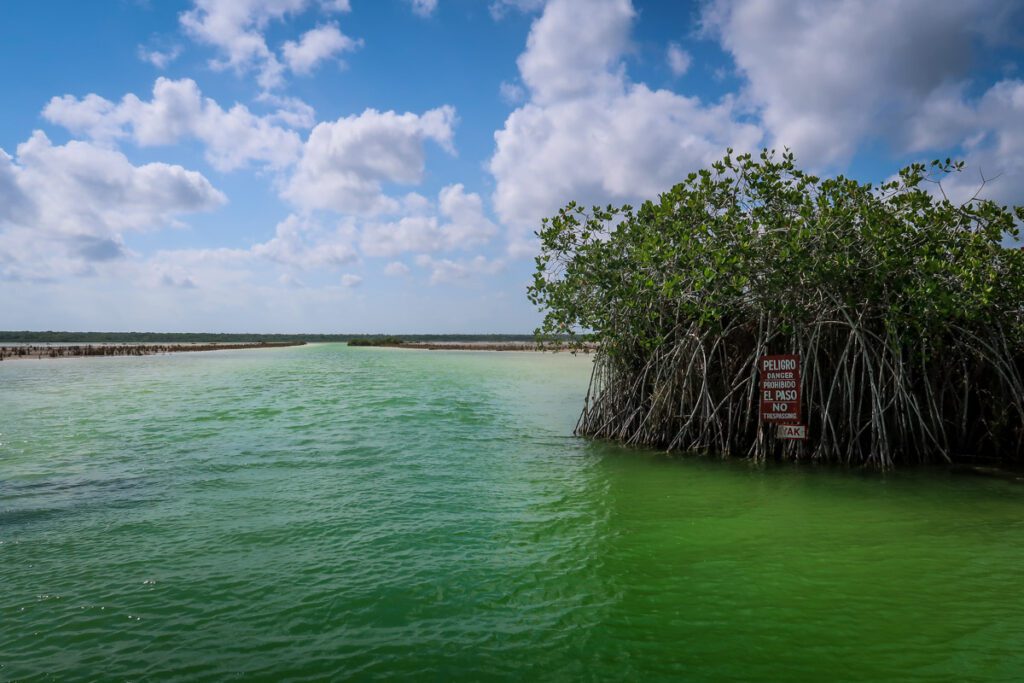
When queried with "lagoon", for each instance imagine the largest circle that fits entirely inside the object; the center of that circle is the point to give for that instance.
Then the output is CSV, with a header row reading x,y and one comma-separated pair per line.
x,y
326,511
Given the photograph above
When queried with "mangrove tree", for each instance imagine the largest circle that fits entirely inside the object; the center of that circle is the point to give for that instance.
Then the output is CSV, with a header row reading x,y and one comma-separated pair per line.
x,y
905,308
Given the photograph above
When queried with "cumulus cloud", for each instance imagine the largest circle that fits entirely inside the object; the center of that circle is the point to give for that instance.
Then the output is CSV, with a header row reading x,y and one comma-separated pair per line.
x,y
71,204
589,133
576,48
351,280
15,206
409,233
302,242
315,46
93,116
345,162
236,29
81,187
826,76
461,225
233,138
291,111
466,225
989,131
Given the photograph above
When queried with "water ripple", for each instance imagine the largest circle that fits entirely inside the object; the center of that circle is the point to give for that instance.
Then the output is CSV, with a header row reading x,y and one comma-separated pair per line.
x,y
325,512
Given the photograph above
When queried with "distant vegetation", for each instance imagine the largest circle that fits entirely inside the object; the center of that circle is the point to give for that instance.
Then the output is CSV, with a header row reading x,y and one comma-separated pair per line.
x,y
78,350
376,341
26,337
907,310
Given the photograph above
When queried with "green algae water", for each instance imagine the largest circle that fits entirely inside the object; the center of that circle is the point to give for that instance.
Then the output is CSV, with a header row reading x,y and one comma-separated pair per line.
x,y
326,512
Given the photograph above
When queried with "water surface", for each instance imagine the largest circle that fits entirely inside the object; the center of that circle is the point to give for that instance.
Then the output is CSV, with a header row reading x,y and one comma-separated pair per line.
x,y
322,511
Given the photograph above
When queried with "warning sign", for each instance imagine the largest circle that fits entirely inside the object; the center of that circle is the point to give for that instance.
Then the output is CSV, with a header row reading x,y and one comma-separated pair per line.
x,y
780,388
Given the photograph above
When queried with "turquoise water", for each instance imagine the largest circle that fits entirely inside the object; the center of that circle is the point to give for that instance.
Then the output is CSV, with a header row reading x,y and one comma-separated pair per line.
x,y
326,512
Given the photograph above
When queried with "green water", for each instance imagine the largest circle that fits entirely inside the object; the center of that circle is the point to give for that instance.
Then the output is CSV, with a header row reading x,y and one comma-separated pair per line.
x,y
325,512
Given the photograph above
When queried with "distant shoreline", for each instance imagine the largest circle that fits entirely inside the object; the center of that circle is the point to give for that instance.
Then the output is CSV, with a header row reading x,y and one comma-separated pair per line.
x,y
476,346
9,337
53,351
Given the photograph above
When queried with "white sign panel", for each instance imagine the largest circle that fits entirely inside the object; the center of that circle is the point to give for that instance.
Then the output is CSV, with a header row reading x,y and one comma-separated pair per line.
x,y
792,432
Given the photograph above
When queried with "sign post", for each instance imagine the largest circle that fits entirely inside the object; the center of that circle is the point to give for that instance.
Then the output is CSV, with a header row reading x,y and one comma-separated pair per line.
x,y
780,394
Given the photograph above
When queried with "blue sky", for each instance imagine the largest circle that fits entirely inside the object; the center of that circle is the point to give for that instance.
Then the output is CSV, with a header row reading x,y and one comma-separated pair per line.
x,y
380,165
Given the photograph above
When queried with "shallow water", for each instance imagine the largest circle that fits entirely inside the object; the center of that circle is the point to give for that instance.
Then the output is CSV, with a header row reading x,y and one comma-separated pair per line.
x,y
322,511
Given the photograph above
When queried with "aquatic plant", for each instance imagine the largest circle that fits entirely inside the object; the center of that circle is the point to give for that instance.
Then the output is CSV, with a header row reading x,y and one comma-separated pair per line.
x,y
905,308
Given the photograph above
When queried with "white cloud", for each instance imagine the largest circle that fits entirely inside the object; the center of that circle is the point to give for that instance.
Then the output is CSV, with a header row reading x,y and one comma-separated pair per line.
x,y
236,28
449,271
396,269
462,224
219,273
292,112
233,137
345,162
575,48
351,280
678,59
415,204
301,242
988,130
315,46
15,206
71,204
467,225
424,8
160,58
93,116
79,187
409,233
590,134
827,76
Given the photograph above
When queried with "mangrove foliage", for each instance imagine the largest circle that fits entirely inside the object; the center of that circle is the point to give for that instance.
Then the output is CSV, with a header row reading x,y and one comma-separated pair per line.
x,y
905,308
376,341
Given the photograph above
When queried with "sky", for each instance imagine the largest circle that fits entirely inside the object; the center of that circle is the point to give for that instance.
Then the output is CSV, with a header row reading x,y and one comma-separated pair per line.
x,y
381,165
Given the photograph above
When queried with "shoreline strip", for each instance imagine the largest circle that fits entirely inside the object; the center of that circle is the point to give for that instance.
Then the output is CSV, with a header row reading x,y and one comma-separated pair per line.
x,y
45,352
